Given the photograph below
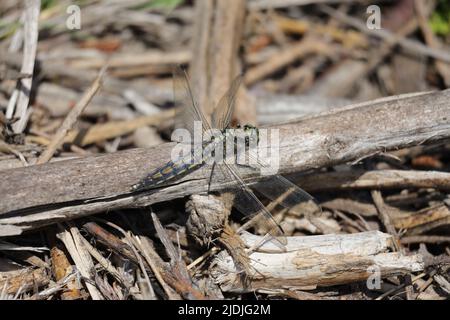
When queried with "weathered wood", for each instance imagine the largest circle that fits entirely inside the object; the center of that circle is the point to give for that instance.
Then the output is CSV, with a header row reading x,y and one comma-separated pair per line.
x,y
215,45
217,35
376,179
152,263
315,261
24,280
42,194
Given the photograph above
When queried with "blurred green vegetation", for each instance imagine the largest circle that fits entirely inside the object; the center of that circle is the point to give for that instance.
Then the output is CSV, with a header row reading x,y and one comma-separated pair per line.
x,y
440,19
45,4
160,4
8,29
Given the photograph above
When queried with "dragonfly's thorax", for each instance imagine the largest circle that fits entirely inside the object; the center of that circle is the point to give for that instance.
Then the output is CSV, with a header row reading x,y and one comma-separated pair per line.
x,y
251,134
226,140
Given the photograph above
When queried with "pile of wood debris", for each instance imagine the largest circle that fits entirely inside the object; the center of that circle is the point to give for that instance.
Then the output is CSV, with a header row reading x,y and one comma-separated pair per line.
x,y
365,128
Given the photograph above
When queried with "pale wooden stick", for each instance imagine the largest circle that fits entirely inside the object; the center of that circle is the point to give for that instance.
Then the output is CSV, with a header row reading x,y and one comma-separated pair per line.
x,y
315,261
29,55
70,119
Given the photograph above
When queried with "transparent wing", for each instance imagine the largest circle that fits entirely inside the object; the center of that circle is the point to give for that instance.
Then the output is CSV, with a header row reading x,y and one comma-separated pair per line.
x,y
187,111
279,189
248,203
223,112
285,193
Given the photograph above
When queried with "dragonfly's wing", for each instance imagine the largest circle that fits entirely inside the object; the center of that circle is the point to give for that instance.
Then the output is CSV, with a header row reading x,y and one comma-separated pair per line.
x,y
188,111
248,203
279,189
223,112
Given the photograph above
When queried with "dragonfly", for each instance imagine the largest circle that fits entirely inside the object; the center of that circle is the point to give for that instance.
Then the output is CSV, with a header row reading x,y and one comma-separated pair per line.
x,y
276,187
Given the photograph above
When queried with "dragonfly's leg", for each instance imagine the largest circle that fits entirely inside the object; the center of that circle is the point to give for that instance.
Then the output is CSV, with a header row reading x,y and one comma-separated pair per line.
x,y
267,238
211,176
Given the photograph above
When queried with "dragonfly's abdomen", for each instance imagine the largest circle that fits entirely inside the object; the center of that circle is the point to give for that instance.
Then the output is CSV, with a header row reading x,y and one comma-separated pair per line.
x,y
171,170
174,169
165,173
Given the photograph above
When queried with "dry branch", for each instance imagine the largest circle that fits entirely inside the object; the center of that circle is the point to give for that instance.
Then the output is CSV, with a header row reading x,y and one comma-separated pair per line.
x,y
70,119
23,280
153,263
271,4
315,261
286,56
29,54
43,194
217,35
376,179
62,268
386,35
154,58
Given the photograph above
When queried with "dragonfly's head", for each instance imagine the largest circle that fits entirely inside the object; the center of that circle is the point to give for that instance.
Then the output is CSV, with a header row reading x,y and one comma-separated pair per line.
x,y
252,133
